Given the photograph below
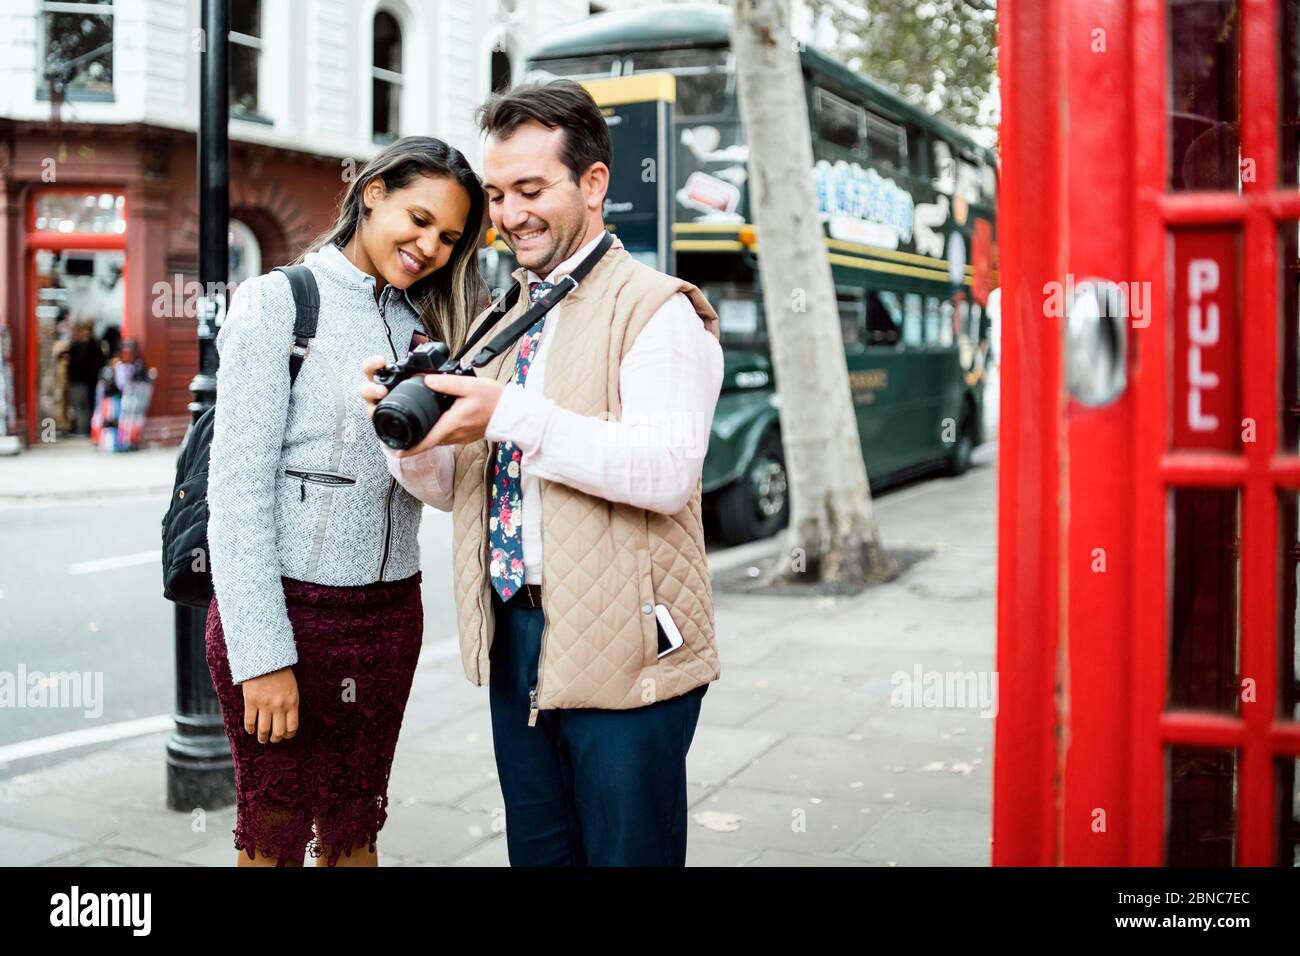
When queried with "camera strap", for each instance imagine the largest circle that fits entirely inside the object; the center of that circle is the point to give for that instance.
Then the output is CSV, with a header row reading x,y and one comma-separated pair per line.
x,y
515,329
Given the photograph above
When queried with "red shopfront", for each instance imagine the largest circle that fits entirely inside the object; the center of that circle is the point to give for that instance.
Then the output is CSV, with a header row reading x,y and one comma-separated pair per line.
x,y
1150,449
98,226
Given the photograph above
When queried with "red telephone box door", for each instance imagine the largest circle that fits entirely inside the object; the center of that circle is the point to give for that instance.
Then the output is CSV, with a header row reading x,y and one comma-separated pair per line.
x,y
1150,456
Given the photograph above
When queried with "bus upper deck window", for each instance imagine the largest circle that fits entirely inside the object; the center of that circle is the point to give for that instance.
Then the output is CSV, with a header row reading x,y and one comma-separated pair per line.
x,y
886,142
574,67
704,78
838,121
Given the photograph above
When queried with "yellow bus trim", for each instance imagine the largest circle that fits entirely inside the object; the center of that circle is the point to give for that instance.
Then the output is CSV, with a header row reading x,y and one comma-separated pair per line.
x,y
708,245
891,267
647,87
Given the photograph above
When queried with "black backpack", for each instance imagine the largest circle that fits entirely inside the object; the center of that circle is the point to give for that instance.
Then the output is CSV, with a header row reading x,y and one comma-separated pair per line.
x,y
187,575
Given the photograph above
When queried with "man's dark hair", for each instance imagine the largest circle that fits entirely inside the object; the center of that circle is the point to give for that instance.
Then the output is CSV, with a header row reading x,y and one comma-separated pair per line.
x,y
559,104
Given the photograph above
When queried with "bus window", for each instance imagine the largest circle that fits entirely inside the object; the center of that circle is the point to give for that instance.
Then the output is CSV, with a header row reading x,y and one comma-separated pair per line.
x,y
886,142
943,171
916,150
884,319
740,316
968,181
705,79
989,184
853,317
913,334
945,323
931,321
576,67
838,121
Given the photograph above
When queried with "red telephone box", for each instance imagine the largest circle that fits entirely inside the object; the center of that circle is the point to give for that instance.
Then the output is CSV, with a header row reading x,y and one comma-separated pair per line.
x,y
1150,451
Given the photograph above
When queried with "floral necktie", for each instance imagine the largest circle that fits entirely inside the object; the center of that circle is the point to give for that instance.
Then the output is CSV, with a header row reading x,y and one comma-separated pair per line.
x,y
505,521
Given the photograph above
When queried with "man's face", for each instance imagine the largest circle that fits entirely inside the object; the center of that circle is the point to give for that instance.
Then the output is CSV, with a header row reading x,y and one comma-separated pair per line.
x,y
535,205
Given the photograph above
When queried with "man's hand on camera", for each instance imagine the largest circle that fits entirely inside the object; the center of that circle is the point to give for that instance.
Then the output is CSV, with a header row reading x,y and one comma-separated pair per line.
x,y
466,420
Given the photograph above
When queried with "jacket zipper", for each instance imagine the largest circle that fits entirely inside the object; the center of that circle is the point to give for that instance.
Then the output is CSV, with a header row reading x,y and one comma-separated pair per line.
x,y
332,478
392,482
316,478
388,525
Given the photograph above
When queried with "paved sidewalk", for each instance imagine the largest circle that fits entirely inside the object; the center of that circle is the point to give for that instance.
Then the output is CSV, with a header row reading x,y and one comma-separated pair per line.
x,y
799,758
74,468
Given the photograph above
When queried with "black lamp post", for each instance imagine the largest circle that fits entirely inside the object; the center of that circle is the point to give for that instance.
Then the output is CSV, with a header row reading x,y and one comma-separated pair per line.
x,y
200,772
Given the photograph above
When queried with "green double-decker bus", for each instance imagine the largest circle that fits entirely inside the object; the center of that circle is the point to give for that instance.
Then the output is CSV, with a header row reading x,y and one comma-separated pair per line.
x,y
908,205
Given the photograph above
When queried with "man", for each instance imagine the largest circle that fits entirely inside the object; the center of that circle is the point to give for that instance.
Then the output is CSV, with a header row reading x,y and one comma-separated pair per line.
x,y
85,360
571,464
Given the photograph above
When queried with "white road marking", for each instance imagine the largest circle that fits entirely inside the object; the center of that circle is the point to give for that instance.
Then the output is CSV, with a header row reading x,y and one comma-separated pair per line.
x,y
82,738
112,564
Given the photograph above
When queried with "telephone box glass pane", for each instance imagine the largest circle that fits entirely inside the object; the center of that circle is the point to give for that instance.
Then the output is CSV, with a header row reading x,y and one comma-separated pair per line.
x,y
1288,811
1288,263
1200,815
1203,536
1289,66
1288,513
1203,94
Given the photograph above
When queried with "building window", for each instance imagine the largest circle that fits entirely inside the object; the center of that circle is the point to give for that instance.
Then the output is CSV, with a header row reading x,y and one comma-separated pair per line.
x,y
245,58
78,42
502,71
245,253
386,79
80,213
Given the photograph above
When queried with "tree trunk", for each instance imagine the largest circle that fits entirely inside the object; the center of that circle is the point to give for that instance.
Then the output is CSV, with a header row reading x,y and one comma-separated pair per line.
x,y
833,536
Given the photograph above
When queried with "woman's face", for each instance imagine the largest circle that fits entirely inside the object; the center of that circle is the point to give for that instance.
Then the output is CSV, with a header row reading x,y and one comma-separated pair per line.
x,y
410,232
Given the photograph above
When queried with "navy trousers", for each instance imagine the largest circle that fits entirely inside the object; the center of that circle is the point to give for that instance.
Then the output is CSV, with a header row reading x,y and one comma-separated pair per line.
x,y
585,787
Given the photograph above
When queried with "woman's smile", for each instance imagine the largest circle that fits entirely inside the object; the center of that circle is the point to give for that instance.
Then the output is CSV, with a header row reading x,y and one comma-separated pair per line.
x,y
411,263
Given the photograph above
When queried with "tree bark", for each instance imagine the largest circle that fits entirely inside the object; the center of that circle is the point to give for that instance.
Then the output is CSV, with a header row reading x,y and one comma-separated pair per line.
x,y
833,536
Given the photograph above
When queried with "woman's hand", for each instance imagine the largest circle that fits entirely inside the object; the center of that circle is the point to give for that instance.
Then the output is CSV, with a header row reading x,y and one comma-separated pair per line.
x,y
371,391
271,706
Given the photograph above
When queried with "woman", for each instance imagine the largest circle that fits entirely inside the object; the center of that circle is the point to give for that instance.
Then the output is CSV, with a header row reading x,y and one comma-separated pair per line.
x,y
315,625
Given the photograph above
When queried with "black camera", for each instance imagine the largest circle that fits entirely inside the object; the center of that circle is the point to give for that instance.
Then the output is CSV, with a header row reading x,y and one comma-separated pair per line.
x,y
411,409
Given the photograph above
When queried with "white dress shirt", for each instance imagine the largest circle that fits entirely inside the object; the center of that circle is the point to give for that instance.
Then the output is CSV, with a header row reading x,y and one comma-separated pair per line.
x,y
668,385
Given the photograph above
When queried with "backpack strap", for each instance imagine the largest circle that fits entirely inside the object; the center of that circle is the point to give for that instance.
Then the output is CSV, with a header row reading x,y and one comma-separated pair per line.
x,y
306,300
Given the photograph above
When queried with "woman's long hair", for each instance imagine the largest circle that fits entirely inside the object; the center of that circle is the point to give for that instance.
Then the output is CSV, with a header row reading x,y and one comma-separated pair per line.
x,y
447,299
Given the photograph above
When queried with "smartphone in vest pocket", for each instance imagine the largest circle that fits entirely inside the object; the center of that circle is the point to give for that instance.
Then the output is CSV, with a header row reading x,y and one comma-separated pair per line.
x,y
669,637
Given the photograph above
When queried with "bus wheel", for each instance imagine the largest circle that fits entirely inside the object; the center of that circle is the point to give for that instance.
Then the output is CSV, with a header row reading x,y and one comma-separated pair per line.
x,y
758,505
959,457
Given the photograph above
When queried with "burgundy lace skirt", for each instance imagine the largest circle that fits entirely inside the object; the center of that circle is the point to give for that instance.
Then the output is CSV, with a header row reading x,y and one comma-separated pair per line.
x,y
357,651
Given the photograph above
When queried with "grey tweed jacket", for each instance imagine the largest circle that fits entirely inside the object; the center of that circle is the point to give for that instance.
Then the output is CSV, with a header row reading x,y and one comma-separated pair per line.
x,y
298,485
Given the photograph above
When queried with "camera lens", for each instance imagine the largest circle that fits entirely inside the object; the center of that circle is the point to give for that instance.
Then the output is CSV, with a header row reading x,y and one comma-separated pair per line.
x,y
406,415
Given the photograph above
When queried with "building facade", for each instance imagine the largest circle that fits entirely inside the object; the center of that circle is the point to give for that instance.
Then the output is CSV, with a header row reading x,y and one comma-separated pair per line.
x,y
99,106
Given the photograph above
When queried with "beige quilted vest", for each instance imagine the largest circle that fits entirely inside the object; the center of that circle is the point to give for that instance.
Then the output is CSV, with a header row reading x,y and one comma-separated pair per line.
x,y
604,565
